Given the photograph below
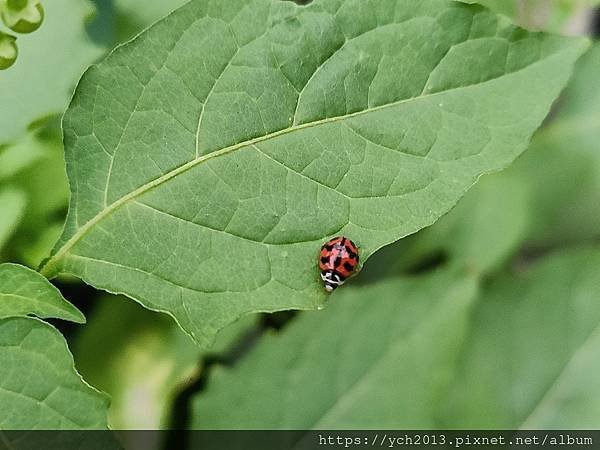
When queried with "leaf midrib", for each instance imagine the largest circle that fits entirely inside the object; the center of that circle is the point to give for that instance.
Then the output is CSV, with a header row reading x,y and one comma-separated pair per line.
x,y
48,269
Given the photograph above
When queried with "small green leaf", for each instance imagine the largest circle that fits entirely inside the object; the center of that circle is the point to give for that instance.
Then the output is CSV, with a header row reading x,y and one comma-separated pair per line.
x,y
377,357
238,142
12,207
24,291
529,360
50,62
39,387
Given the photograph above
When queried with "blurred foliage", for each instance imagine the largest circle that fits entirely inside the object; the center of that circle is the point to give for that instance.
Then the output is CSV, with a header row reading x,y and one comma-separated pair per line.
x,y
558,16
144,362
141,362
37,89
530,357
12,205
35,166
562,167
520,337
50,62
119,20
377,357
132,16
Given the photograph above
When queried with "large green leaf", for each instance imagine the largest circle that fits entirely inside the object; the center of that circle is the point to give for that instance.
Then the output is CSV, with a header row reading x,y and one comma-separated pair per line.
x,y
39,387
530,359
50,62
377,357
211,157
24,291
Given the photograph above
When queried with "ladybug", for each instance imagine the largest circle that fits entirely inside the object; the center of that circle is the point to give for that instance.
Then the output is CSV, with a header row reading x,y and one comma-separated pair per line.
x,y
338,260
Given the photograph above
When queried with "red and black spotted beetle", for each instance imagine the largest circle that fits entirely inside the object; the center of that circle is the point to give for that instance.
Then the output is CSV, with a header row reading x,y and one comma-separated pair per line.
x,y
338,260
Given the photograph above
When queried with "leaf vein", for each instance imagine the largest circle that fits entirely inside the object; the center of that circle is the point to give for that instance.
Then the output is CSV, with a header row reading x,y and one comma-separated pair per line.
x,y
47,268
161,278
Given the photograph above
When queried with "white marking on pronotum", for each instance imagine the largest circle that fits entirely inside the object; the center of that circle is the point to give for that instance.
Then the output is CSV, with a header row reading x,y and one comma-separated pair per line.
x,y
332,280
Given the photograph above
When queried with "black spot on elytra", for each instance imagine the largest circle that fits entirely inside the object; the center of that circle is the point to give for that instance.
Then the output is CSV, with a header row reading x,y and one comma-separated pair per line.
x,y
351,253
324,259
337,262
349,267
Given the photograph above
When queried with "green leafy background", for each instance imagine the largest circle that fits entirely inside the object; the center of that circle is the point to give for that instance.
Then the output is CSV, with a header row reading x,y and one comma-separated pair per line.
x,y
488,318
